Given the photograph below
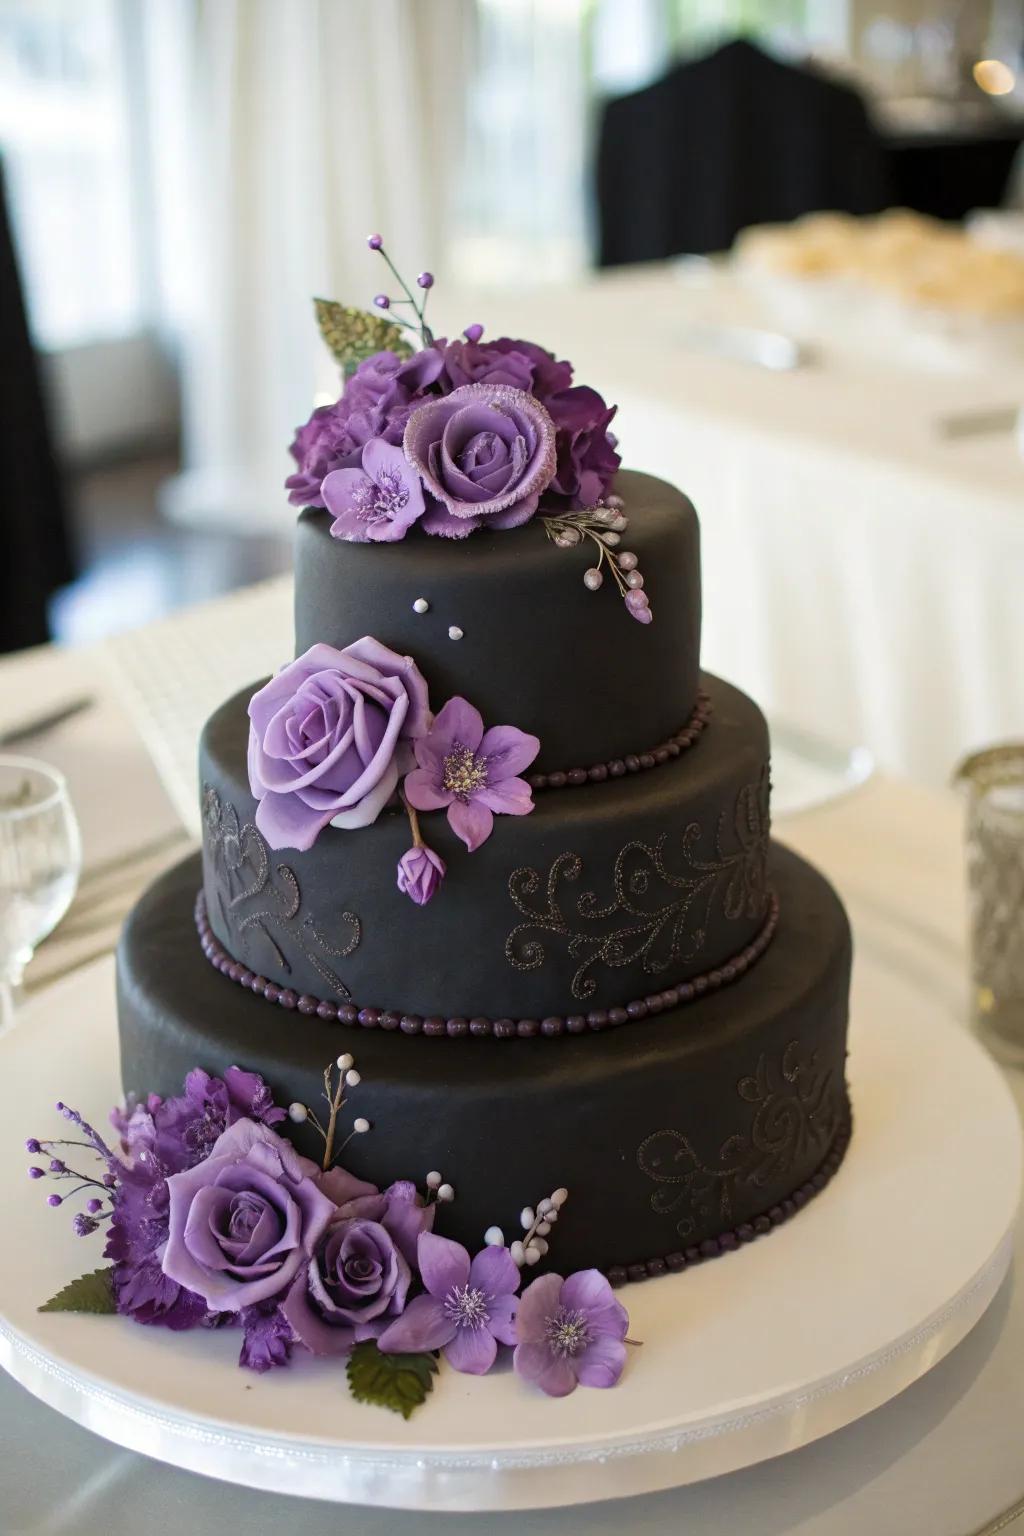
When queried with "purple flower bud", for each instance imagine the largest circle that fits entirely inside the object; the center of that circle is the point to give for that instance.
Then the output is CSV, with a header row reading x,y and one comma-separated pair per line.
x,y
635,580
374,242
54,1200
56,1166
33,1145
110,1181
382,301
60,1107
420,872
36,1173
638,604
84,1225
627,560
473,332
94,1205
426,279
593,578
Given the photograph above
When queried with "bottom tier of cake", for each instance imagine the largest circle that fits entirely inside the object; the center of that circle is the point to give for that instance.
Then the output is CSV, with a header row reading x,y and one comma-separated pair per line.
x,y
677,1136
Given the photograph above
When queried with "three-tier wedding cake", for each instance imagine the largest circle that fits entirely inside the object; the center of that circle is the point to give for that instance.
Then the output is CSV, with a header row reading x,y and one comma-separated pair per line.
x,y
497,827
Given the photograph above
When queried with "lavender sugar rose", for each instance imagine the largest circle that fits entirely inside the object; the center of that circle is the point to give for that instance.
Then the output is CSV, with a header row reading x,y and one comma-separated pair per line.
x,y
329,738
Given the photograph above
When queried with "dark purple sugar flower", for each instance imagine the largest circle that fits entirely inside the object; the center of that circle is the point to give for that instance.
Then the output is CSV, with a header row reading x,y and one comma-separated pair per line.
x,y
586,458
377,402
570,1332
377,503
521,364
471,772
267,1338
468,1310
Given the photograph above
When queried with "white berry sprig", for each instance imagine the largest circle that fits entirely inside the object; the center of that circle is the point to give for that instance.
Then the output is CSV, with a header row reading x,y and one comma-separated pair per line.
x,y
604,524
344,1069
536,1224
438,1189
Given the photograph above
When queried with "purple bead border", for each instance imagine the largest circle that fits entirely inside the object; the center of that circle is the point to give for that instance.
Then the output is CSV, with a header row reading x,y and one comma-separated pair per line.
x,y
634,762
747,1231
499,1029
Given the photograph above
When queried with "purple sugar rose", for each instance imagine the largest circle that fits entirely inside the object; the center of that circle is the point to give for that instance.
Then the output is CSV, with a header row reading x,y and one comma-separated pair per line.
x,y
586,458
471,772
400,1208
520,364
243,1223
468,1310
329,738
353,1287
420,872
376,402
377,503
485,453
570,1331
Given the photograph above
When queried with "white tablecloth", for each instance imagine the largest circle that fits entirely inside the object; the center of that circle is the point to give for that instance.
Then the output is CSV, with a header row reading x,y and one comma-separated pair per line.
x,y
863,577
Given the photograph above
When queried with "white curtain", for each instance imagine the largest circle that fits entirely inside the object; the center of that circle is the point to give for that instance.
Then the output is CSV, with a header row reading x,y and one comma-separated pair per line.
x,y
284,132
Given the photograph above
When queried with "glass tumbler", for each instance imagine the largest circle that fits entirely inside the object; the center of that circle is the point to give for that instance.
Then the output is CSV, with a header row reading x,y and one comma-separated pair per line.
x,y
994,784
40,862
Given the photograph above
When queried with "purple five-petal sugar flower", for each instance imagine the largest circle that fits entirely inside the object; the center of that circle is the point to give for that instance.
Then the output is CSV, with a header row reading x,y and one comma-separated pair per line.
x,y
468,1310
379,502
420,872
570,1332
471,772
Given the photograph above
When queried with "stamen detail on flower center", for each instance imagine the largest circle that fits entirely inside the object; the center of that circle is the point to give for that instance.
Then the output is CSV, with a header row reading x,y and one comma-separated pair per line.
x,y
567,1333
467,1307
379,500
464,772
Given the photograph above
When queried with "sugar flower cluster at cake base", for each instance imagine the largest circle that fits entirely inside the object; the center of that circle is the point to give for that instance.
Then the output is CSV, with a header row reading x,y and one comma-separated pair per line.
x,y
213,1220
450,436
337,736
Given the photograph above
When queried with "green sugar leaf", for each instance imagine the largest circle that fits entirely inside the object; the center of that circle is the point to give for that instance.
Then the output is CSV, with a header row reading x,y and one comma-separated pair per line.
x,y
89,1293
400,1383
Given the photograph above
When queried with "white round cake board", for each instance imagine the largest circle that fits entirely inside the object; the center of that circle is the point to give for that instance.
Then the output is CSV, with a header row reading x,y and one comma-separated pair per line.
x,y
744,1358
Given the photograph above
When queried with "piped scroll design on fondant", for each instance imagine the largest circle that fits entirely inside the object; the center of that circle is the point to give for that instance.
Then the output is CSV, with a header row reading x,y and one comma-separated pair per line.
x,y
662,902
258,900
796,1108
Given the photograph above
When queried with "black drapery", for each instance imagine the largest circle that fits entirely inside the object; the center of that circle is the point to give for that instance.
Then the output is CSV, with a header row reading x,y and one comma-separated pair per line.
x,y
722,142
35,547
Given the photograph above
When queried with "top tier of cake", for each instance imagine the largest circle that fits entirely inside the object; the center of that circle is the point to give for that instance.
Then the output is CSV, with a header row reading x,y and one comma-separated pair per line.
x,y
534,646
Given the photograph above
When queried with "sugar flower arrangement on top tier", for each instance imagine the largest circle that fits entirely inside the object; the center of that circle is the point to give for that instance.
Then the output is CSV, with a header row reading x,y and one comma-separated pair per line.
x,y
457,436
213,1220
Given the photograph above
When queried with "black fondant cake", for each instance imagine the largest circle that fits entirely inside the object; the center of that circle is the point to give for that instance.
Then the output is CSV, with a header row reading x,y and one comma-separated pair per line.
x,y
640,892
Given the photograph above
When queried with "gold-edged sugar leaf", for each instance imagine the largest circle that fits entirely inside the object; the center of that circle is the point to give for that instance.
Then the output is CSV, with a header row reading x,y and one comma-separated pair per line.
x,y
353,334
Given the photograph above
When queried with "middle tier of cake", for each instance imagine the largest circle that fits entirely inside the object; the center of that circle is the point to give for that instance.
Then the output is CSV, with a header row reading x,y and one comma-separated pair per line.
x,y
605,894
